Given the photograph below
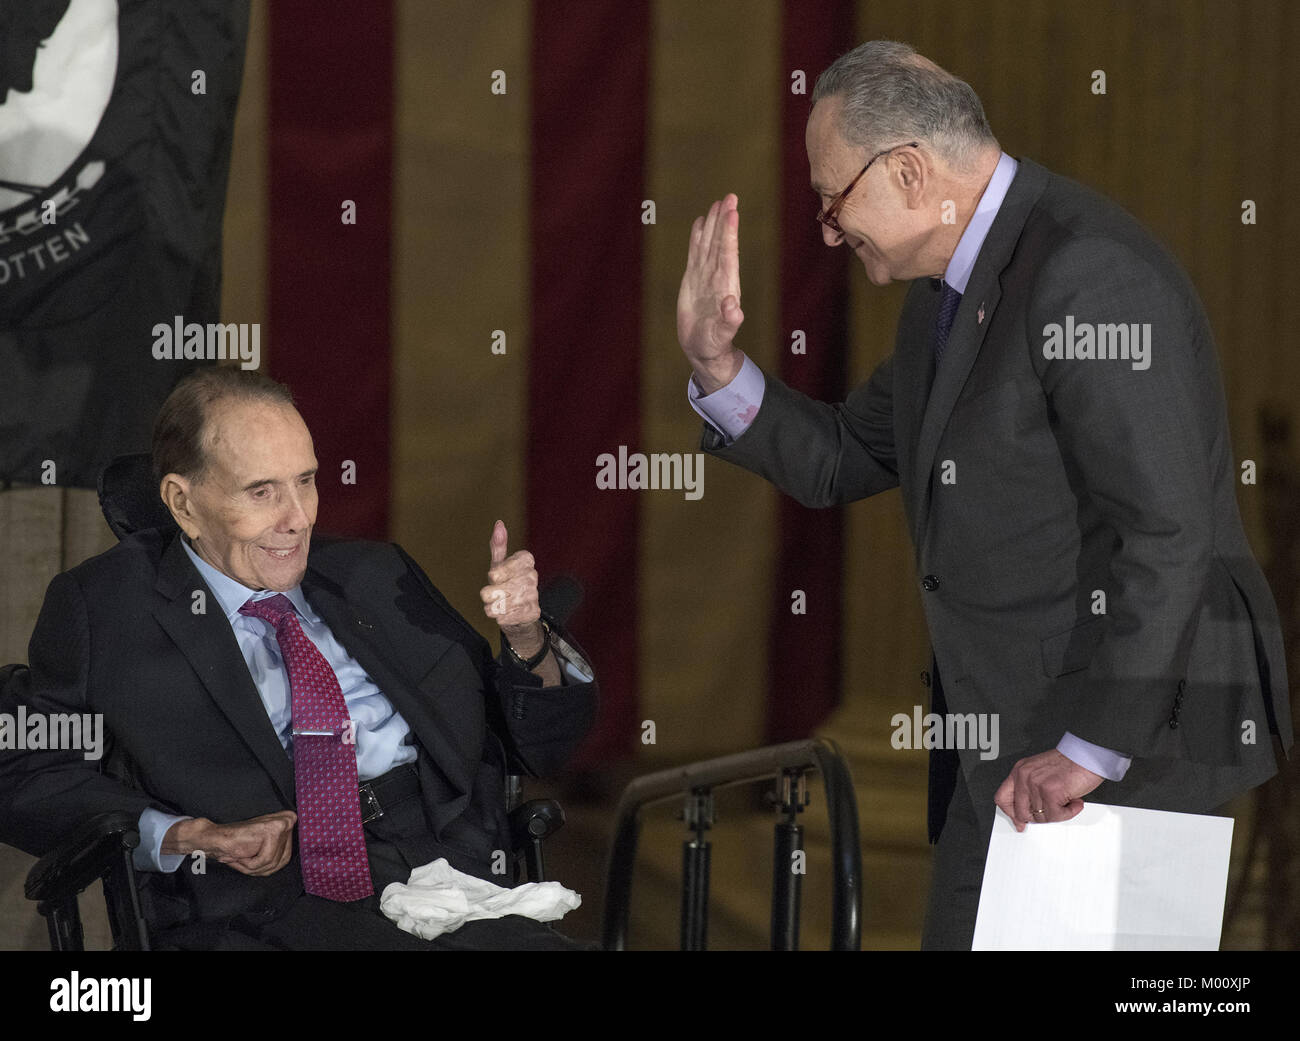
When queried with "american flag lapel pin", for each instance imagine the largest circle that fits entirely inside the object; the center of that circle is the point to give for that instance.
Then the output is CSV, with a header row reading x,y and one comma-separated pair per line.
x,y
979,317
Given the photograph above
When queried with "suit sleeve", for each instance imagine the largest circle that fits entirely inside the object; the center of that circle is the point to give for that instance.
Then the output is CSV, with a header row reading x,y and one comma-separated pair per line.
x,y
48,792
817,453
545,724
1132,445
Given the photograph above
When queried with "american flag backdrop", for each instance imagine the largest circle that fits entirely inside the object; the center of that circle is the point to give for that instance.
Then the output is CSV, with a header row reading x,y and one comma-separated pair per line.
x,y
502,311
501,315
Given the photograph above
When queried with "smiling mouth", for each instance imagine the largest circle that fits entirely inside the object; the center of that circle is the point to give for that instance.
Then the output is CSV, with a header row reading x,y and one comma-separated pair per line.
x,y
281,554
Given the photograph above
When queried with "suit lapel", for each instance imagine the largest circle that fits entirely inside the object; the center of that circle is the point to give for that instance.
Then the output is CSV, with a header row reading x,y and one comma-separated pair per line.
x,y
913,371
971,323
209,645
368,642
964,343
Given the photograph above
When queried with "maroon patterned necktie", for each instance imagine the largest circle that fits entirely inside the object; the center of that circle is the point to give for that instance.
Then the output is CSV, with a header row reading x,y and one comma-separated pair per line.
x,y
331,842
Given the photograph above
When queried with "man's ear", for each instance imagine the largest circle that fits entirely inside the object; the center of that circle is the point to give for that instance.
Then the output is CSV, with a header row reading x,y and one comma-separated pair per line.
x,y
176,494
912,176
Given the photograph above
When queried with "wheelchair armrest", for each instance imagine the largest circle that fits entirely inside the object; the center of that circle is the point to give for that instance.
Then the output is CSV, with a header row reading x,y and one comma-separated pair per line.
x,y
92,849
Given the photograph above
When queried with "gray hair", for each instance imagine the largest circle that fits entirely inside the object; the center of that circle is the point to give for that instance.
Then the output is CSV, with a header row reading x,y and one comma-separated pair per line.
x,y
893,95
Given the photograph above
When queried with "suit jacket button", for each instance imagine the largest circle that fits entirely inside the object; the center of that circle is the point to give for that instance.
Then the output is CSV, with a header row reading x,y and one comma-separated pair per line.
x,y
925,679
930,583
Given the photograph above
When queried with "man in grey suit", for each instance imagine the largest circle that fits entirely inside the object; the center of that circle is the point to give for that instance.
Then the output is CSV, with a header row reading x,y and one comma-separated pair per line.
x,y
1054,417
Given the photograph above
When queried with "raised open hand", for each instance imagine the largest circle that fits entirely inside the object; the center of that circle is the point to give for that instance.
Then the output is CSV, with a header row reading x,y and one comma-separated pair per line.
x,y
708,303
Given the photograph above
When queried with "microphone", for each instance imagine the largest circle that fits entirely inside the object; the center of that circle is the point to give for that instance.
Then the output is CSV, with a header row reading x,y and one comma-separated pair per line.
x,y
560,598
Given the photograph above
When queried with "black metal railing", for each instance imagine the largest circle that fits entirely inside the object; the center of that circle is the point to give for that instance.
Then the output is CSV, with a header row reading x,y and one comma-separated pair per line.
x,y
788,764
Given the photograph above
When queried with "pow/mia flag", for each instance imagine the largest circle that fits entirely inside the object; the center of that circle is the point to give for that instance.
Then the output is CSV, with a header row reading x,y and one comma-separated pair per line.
x,y
115,127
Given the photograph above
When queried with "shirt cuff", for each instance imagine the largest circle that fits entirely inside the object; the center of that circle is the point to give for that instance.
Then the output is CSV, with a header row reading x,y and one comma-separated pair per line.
x,y
573,666
730,409
1110,765
148,856
573,673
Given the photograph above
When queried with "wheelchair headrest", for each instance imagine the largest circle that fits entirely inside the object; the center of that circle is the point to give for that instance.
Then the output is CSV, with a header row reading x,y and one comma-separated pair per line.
x,y
128,495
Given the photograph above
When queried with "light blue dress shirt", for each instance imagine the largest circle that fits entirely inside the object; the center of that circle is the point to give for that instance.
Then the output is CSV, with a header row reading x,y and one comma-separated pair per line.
x,y
731,409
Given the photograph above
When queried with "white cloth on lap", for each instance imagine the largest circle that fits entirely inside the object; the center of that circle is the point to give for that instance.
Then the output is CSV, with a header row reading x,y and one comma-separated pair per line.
x,y
438,899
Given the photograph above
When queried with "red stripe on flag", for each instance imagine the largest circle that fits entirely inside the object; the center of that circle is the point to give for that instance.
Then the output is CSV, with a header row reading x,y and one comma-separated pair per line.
x,y
590,65
806,650
331,140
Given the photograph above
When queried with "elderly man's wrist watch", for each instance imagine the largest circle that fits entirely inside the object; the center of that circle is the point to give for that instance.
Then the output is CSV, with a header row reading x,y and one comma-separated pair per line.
x,y
529,664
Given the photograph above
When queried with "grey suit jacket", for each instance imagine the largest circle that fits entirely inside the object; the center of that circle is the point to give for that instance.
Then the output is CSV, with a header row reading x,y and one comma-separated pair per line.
x,y
1034,485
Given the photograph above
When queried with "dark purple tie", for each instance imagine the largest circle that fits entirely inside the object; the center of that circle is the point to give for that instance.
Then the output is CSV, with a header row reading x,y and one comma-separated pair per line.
x,y
331,841
949,301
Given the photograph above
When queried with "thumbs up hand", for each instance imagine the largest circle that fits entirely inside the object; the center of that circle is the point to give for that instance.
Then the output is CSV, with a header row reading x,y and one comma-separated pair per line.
x,y
510,598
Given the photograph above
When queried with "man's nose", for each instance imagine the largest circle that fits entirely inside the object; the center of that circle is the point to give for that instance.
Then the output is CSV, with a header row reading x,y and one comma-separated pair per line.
x,y
830,236
295,516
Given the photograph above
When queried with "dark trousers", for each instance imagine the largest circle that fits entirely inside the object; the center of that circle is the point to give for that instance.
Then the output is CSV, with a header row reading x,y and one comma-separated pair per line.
x,y
957,874
396,843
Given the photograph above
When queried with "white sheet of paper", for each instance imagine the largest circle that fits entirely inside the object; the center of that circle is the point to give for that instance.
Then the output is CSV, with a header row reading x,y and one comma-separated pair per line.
x,y
1113,879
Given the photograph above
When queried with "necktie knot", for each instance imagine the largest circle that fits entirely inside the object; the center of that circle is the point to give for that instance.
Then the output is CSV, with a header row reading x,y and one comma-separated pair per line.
x,y
949,298
271,609
949,301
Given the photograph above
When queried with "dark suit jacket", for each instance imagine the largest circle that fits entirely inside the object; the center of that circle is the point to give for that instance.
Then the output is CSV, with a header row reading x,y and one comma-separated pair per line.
x,y
189,734
1066,476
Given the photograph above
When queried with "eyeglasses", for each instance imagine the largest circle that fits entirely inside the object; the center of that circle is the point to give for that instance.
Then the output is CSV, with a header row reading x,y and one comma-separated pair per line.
x,y
827,216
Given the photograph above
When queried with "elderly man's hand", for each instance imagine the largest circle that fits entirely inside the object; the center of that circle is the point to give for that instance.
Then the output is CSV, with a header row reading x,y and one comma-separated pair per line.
x,y
261,846
708,303
510,598
1044,788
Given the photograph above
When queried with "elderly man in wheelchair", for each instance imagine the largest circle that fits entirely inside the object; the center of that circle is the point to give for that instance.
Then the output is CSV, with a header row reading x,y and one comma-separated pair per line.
x,y
291,724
